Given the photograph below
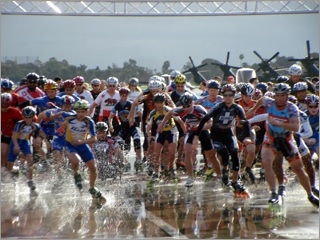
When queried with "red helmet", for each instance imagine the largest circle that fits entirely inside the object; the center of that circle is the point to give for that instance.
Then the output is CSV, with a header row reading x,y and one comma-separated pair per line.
x,y
78,79
69,84
124,90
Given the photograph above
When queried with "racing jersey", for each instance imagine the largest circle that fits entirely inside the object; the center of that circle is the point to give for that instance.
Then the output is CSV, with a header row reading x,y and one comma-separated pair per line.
x,y
106,102
9,119
25,94
207,103
175,96
76,129
283,114
156,117
314,123
25,131
122,110
191,119
44,103
85,94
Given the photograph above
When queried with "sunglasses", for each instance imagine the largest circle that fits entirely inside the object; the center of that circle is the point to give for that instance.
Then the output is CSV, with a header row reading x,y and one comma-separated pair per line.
x,y
313,106
111,85
186,106
79,84
95,85
228,95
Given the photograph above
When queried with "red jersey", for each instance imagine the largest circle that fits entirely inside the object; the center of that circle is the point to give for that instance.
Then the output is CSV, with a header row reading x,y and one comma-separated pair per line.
x,y
9,120
25,94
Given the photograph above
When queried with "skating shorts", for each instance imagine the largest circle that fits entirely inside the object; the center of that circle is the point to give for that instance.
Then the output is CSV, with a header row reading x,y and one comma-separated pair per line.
x,y
25,148
83,150
58,143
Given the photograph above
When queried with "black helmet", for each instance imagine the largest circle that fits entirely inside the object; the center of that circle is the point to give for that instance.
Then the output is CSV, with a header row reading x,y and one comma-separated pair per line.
x,y
186,99
134,81
281,79
159,97
214,84
263,87
228,88
42,81
281,88
32,77
29,112
102,126
23,81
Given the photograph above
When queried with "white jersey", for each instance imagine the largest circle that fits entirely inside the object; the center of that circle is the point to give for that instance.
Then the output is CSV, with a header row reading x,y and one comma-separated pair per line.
x,y
85,95
106,102
132,96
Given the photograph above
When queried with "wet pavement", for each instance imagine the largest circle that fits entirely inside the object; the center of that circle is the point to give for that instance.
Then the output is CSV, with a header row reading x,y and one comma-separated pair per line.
x,y
163,211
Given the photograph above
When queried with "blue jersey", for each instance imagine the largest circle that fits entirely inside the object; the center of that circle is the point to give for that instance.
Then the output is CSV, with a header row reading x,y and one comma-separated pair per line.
x,y
76,98
207,103
122,110
281,114
43,103
314,123
25,131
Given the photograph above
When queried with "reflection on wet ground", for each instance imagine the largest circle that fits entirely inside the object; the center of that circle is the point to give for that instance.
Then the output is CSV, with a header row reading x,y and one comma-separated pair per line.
x,y
171,211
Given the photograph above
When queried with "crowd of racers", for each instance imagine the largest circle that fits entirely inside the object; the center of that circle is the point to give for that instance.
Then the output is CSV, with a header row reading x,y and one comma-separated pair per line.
x,y
266,123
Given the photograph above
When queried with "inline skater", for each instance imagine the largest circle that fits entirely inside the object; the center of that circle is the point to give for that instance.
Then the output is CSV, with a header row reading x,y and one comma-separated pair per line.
x,y
283,119
223,115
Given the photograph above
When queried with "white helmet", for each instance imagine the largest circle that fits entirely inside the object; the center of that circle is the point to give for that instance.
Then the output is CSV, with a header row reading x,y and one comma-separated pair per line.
x,y
155,85
154,78
95,81
174,73
112,81
300,86
294,70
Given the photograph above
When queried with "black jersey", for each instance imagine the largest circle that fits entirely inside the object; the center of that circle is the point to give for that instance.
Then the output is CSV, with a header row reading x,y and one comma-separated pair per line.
x,y
123,110
223,117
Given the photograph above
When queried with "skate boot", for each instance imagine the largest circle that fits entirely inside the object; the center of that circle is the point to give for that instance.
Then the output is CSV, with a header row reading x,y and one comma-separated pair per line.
x,y
251,175
208,174
43,166
31,185
282,190
274,199
138,165
149,169
225,177
239,191
189,182
315,191
262,176
96,195
78,181
314,200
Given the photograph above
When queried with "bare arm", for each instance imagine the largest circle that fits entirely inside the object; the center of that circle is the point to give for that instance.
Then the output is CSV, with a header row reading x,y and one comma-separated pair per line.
x,y
293,125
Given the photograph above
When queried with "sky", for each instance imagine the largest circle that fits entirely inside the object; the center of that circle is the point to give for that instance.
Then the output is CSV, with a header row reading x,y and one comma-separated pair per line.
x,y
104,41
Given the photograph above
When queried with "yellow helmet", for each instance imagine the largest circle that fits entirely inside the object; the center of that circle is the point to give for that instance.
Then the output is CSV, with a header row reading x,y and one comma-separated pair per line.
x,y
180,79
81,105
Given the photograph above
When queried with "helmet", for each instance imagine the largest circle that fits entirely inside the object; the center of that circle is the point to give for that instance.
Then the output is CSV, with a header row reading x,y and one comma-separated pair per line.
x,y
312,99
124,90
102,126
155,85
159,97
238,86
50,85
292,99
78,79
134,81
214,84
67,100
174,74
81,105
186,99
112,81
29,112
281,88
294,70
257,94
23,81
269,94
237,96
300,86
228,88
154,78
69,84
262,86
6,84
247,89
95,81
281,79
180,79
6,99
42,81
32,77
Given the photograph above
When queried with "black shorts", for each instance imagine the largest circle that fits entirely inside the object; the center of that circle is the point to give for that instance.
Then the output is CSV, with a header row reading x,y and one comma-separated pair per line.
x,y
5,139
